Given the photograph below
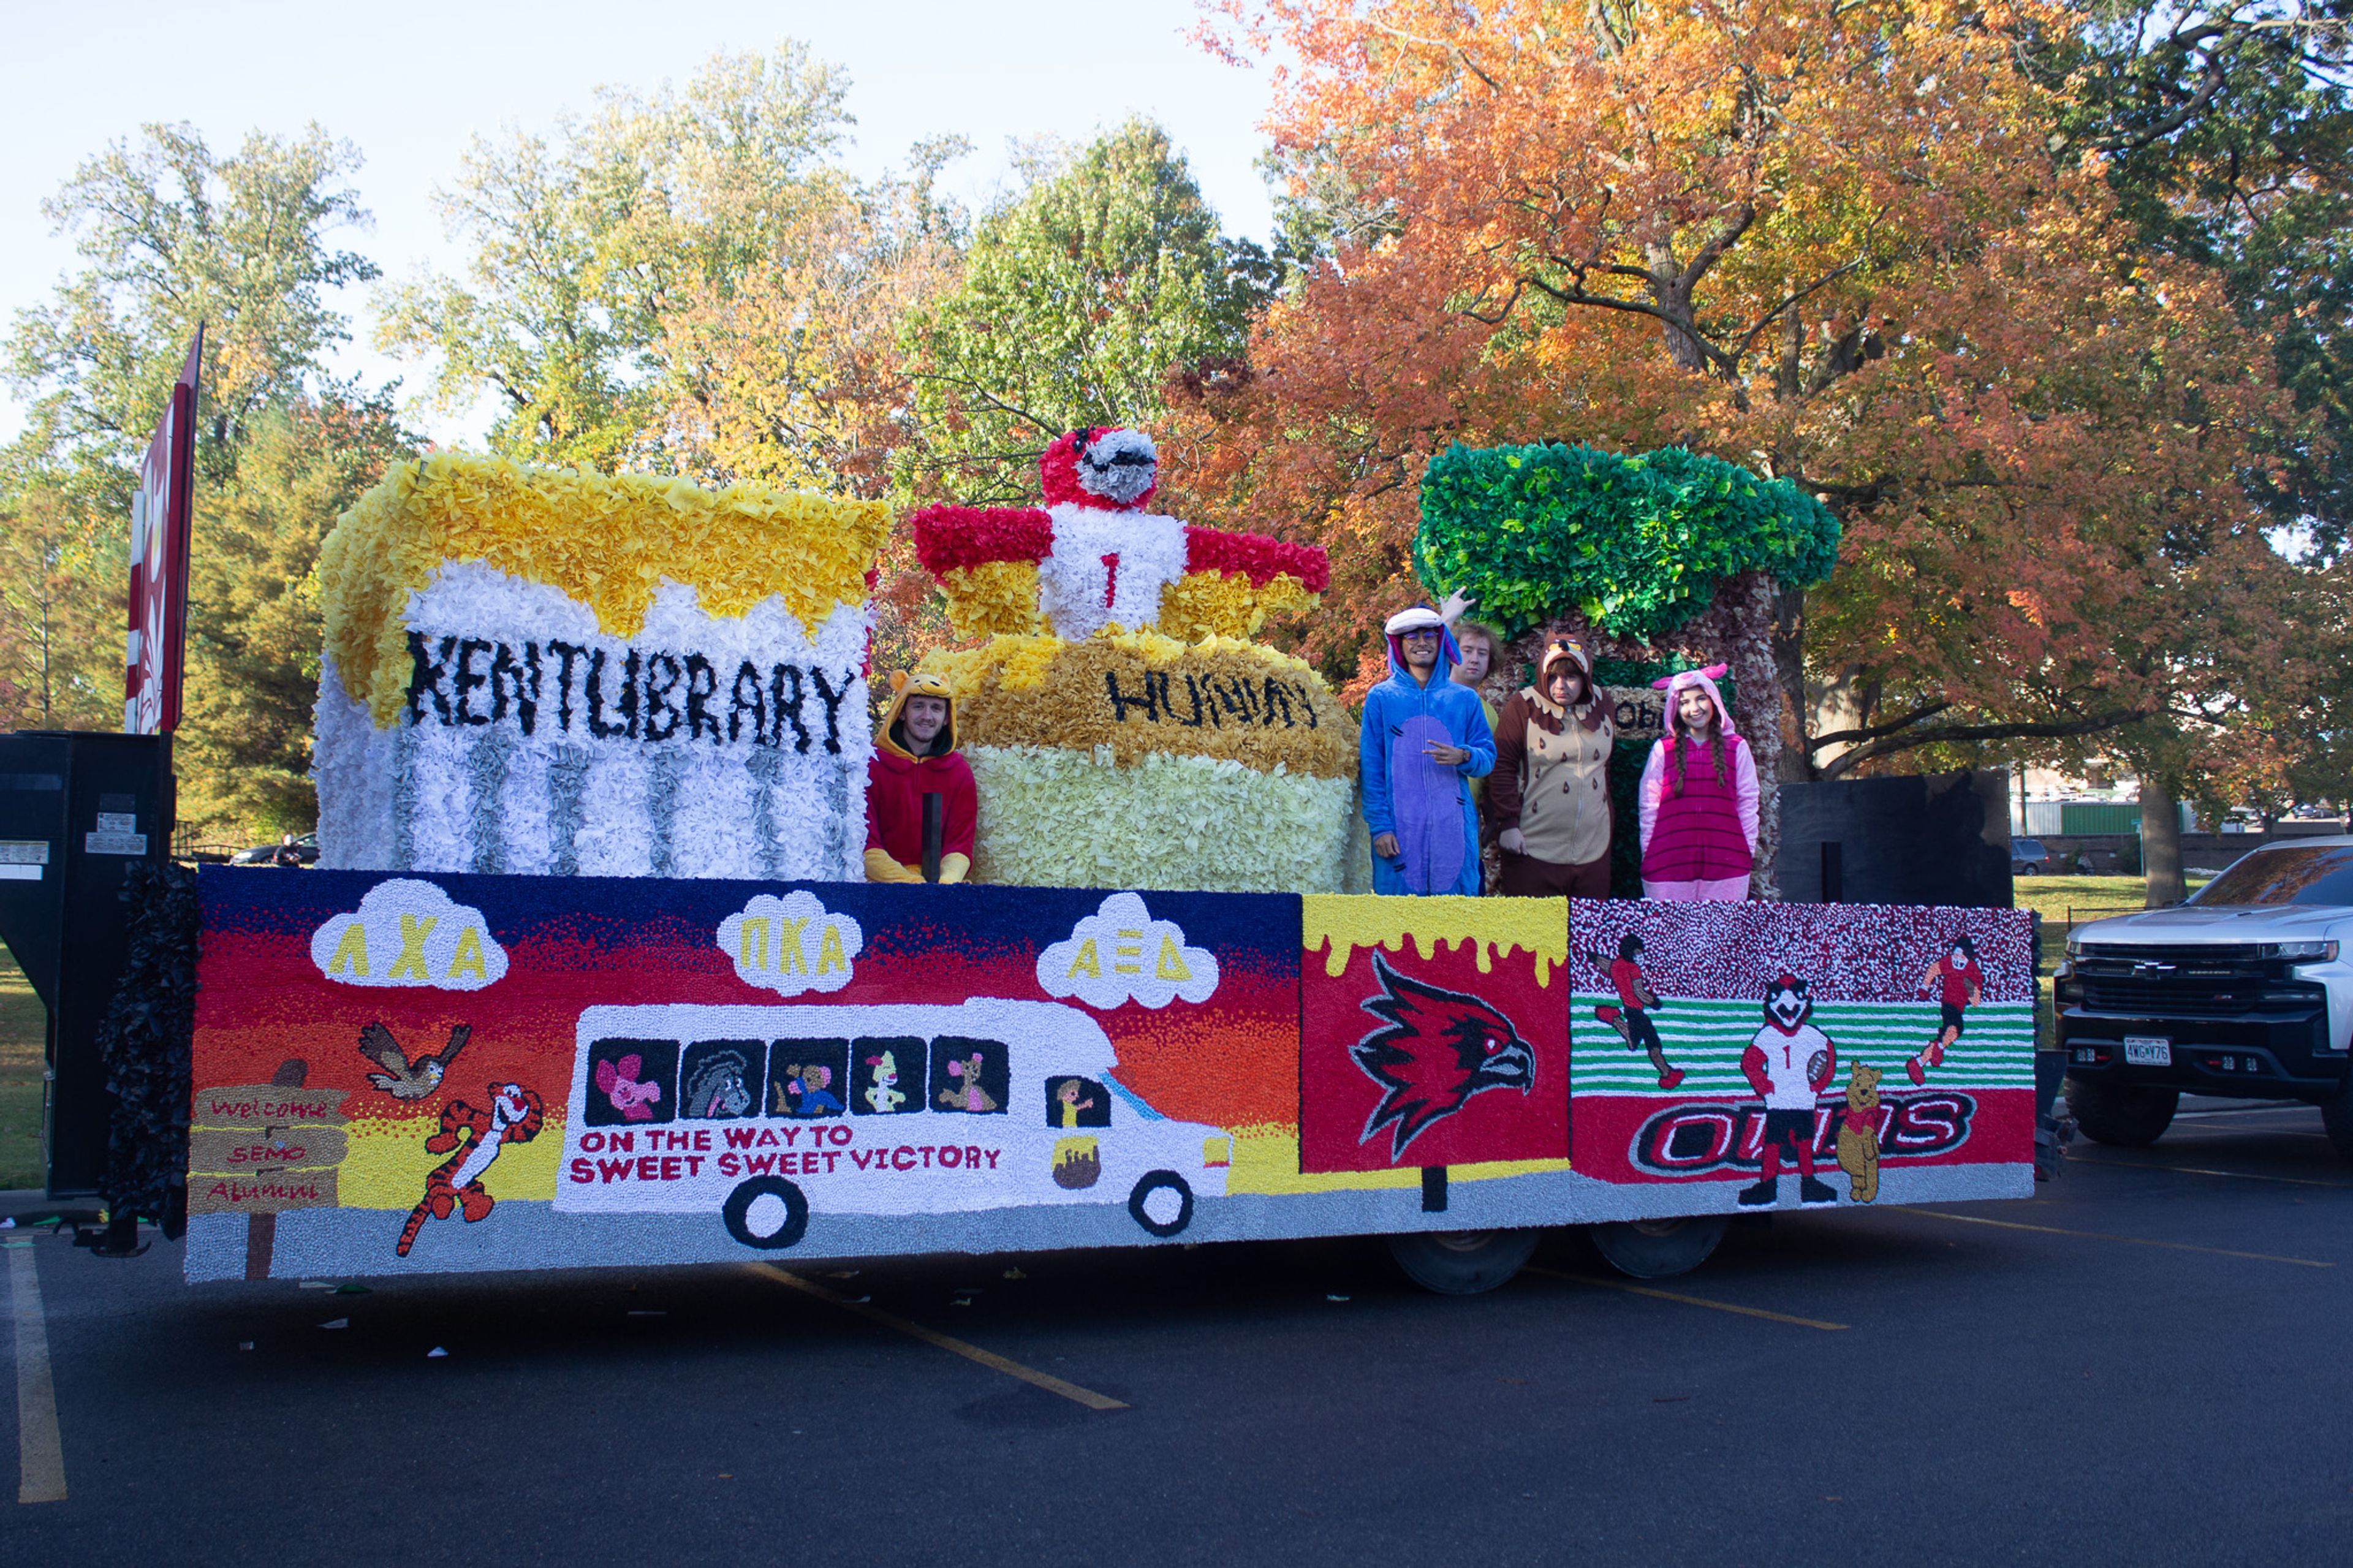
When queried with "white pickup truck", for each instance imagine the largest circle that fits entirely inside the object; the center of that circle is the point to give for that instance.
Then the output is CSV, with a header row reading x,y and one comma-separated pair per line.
x,y
2246,991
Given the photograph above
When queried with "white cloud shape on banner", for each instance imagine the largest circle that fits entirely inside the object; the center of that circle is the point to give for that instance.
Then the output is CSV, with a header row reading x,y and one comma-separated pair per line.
x,y
791,944
1120,954
407,932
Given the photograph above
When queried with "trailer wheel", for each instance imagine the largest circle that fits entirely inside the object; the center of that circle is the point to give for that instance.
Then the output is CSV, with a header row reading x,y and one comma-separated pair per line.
x,y
2129,1116
1162,1202
1462,1262
1657,1248
779,1221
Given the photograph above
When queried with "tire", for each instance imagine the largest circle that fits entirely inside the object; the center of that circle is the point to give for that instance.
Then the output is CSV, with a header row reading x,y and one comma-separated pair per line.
x,y
2129,1116
2336,1119
1658,1249
1462,1262
1153,1182
735,1213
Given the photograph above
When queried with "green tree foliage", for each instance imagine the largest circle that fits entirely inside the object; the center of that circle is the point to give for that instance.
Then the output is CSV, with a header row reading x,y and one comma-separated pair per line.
x,y
2227,130
586,244
254,615
172,233
1079,297
60,648
1635,544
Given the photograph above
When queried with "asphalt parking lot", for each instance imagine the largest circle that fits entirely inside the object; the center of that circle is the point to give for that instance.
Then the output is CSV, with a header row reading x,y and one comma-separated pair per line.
x,y
2147,1363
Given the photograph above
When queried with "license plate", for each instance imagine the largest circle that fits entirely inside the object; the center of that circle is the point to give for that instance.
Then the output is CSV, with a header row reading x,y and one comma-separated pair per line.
x,y
2148,1050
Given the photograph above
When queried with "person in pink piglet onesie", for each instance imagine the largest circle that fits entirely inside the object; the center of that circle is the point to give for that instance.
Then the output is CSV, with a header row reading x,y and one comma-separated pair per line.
x,y
1698,797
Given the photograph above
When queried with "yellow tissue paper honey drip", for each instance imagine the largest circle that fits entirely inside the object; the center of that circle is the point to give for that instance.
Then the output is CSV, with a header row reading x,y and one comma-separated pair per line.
x,y
1345,921
605,541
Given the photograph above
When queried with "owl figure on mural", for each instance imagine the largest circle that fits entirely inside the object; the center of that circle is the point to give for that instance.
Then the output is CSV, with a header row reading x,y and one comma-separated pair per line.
x,y
1093,556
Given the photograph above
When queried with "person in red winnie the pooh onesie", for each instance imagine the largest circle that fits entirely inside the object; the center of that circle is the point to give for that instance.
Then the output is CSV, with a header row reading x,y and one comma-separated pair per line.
x,y
915,761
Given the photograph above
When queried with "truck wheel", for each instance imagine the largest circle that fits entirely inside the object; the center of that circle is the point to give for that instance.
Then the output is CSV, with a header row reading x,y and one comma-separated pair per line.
x,y
1462,1262
2336,1119
2131,1116
766,1212
1162,1202
1658,1249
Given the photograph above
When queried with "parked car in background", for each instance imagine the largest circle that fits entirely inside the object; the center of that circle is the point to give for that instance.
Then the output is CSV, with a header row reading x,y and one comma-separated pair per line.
x,y
2027,858
2246,990
290,850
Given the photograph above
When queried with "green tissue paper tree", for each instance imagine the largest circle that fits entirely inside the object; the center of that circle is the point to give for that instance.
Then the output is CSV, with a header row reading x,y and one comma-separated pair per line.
x,y
1657,561
1633,545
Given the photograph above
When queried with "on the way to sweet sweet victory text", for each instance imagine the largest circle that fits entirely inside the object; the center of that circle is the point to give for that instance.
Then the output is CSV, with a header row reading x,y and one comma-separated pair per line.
x,y
806,1149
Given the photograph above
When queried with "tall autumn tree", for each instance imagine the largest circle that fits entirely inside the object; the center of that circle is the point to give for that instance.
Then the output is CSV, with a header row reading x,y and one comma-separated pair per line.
x,y
1077,298
170,234
60,651
588,244
1827,240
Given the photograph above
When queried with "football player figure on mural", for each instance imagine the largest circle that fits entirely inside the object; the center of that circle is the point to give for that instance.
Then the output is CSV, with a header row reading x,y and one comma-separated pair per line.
x,y
1549,794
921,804
1422,740
1698,797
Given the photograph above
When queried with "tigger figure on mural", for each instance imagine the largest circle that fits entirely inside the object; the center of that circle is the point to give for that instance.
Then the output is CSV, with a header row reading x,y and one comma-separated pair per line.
x,y
478,1136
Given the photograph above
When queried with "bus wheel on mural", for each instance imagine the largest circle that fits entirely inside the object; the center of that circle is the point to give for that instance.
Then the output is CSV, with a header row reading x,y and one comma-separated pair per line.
x,y
766,1212
1464,1262
1162,1202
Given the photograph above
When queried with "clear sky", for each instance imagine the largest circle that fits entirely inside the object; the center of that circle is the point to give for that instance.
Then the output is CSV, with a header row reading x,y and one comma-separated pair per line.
x,y
411,81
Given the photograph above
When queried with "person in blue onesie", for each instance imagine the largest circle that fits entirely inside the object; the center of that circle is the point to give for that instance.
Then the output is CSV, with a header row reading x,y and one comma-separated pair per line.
x,y
1423,739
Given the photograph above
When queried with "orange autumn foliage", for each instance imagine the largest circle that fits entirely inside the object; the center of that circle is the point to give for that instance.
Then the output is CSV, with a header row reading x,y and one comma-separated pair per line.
x,y
1824,239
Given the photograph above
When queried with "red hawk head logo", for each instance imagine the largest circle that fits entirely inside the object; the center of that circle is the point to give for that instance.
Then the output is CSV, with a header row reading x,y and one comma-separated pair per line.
x,y
1439,1048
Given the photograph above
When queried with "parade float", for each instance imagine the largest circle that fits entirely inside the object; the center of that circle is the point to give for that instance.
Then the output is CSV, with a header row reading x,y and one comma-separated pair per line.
x,y
592,978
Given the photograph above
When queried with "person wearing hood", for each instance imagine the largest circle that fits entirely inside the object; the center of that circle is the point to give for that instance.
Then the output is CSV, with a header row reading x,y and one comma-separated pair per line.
x,y
1549,795
916,764
1423,739
1698,797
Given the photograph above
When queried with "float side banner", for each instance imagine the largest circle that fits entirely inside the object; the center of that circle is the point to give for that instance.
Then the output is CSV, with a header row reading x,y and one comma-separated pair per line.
x,y
1766,1055
455,1072
161,514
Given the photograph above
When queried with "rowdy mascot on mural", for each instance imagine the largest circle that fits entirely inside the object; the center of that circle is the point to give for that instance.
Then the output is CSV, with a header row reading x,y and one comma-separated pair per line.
x,y
1789,1064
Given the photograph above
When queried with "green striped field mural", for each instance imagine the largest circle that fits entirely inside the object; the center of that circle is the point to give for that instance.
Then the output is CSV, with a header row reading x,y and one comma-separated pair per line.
x,y
1705,1039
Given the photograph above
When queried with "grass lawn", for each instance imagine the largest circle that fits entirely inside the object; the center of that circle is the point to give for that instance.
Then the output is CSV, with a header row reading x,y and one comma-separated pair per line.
x,y
2065,902
24,1023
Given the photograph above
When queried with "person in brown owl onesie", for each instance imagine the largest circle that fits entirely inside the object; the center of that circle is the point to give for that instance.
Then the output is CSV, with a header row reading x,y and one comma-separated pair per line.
x,y
1549,794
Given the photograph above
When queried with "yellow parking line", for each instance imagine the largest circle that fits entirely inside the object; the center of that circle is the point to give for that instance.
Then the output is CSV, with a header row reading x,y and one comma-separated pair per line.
x,y
2200,1170
1633,1289
2108,1235
990,1359
40,1454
